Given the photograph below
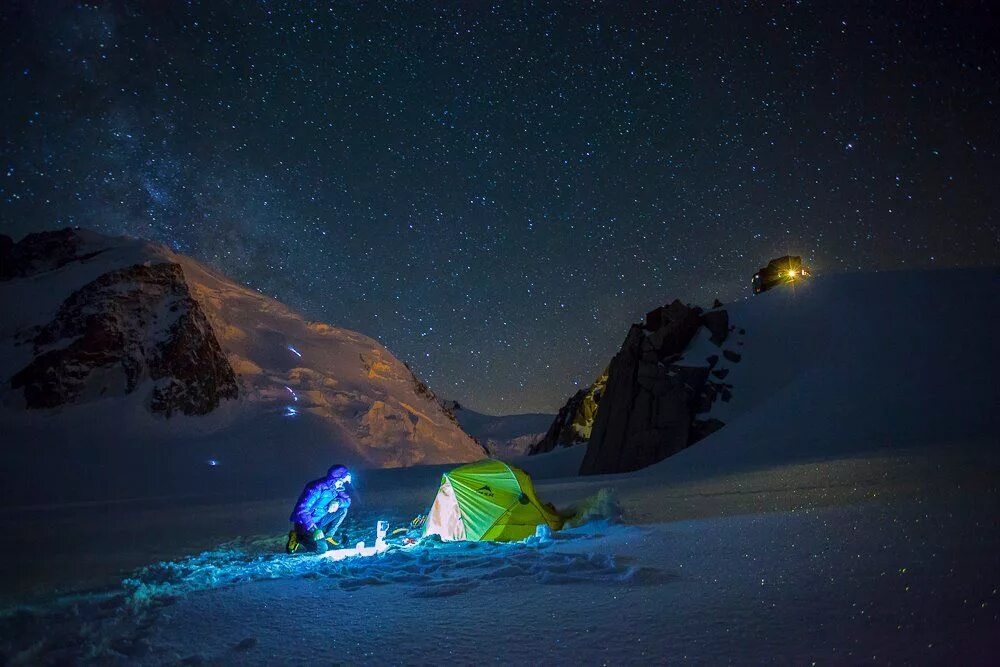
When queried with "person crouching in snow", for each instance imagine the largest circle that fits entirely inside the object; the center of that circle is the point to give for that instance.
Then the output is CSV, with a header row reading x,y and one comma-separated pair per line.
x,y
319,511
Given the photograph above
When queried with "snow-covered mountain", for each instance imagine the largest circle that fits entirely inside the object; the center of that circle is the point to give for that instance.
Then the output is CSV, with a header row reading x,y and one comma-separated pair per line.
x,y
116,349
849,354
503,436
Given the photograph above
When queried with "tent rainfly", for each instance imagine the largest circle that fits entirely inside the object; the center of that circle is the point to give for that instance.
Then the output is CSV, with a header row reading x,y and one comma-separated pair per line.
x,y
488,501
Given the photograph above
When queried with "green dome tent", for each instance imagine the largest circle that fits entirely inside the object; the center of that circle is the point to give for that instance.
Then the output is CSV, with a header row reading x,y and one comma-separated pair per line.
x,y
488,501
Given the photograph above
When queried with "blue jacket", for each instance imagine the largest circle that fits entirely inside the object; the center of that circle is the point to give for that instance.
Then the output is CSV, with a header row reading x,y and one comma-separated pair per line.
x,y
315,501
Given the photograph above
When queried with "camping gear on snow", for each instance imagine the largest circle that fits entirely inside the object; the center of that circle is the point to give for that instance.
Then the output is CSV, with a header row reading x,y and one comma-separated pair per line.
x,y
359,549
415,529
779,271
490,501
319,512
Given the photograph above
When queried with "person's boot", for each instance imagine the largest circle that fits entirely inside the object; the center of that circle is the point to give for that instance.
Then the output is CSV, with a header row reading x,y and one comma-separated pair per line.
x,y
292,545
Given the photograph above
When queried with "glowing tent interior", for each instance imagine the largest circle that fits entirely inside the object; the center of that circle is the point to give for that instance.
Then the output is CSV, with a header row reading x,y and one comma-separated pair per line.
x,y
488,501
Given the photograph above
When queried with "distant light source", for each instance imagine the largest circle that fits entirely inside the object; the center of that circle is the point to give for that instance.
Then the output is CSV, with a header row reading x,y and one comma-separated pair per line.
x,y
294,351
791,273
290,411
212,462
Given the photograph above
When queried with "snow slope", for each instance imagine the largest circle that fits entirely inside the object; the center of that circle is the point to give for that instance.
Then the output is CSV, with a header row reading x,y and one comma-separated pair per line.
x,y
845,514
856,363
505,435
309,393
837,561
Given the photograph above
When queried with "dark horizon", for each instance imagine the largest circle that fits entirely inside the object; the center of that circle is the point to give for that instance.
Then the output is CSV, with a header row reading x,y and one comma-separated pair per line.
x,y
496,193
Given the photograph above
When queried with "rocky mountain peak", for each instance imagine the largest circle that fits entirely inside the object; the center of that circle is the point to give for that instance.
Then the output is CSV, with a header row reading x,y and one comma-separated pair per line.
x,y
575,420
649,407
126,328
653,398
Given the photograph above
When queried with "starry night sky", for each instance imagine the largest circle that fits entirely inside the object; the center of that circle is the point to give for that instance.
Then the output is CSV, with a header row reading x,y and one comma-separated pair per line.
x,y
495,191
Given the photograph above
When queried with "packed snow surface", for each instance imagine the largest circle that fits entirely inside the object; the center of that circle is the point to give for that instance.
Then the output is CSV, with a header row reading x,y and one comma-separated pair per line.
x,y
846,513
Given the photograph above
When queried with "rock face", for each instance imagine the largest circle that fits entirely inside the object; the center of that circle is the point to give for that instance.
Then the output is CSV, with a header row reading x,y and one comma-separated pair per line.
x,y
575,420
717,321
561,432
125,328
648,408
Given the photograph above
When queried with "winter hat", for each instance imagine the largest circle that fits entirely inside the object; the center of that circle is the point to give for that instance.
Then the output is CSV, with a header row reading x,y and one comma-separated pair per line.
x,y
338,471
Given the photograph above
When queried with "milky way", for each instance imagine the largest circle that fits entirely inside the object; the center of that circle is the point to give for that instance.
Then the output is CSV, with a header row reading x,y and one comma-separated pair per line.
x,y
496,191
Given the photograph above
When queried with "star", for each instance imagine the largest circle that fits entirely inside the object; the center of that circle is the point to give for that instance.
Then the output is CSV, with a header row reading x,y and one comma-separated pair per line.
x,y
528,178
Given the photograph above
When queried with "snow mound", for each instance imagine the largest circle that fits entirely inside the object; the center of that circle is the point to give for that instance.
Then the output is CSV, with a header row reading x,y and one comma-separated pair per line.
x,y
603,505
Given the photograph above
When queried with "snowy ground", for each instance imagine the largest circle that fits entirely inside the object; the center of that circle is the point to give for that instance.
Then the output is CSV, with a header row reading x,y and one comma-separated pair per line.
x,y
888,556
848,512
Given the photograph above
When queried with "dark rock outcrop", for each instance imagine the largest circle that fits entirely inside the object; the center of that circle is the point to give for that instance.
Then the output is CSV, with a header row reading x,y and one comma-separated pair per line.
x,y
575,421
648,409
128,326
670,328
42,251
717,322
559,432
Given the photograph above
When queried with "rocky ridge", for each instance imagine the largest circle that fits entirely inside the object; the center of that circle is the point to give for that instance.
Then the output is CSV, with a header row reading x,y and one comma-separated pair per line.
x,y
126,327
575,420
655,396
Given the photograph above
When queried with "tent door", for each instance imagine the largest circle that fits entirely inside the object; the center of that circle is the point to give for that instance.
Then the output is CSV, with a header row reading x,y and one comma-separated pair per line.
x,y
445,517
